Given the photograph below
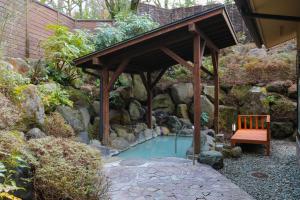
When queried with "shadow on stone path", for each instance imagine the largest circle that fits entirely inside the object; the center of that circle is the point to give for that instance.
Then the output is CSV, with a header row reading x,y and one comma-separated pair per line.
x,y
169,178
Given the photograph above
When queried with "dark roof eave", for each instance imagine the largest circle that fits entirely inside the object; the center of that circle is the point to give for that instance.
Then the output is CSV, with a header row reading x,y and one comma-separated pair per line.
x,y
244,7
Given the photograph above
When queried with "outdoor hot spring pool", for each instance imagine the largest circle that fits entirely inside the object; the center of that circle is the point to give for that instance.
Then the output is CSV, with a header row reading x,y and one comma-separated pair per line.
x,y
161,146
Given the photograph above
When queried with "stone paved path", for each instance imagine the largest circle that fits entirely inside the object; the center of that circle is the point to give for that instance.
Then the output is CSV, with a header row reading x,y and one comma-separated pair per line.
x,y
169,178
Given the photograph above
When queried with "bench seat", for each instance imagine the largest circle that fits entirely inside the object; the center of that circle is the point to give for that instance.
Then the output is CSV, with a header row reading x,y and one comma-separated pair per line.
x,y
253,129
251,136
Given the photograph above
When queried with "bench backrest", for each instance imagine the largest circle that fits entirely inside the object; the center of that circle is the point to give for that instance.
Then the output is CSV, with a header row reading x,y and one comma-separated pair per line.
x,y
253,121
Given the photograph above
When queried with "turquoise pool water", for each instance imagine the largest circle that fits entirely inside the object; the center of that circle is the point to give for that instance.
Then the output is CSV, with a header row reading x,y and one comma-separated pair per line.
x,y
161,146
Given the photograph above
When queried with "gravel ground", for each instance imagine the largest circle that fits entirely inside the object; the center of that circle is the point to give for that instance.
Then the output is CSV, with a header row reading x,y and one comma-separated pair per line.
x,y
278,176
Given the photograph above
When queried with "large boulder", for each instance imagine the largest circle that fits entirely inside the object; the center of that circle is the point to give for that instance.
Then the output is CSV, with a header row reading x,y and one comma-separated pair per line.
x,y
163,102
9,114
212,158
237,95
206,107
280,87
72,117
281,130
125,92
255,102
32,105
136,111
139,91
116,101
19,65
35,133
119,116
161,117
182,93
173,124
182,111
120,143
283,109
292,91
257,53
227,116
209,91
96,107
85,115
120,130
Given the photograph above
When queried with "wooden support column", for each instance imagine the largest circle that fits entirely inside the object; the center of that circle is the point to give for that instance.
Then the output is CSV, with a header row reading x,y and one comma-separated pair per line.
x,y
215,62
149,100
104,107
197,91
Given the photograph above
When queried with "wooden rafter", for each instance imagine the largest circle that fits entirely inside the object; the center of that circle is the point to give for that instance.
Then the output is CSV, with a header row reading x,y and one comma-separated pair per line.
x,y
118,72
195,30
177,58
159,76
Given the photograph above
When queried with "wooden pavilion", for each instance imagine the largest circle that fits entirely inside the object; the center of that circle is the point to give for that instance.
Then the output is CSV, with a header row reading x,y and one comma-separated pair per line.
x,y
183,42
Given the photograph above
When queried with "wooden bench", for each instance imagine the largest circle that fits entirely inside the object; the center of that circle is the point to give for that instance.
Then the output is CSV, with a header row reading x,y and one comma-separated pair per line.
x,y
253,129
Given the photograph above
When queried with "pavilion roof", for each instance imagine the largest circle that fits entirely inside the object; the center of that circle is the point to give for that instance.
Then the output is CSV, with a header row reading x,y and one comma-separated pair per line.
x,y
144,53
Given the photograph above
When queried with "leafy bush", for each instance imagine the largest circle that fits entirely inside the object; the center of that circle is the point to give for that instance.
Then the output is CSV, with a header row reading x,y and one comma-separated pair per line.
x,y
66,169
9,80
53,96
60,50
126,26
204,118
38,72
55,125
12,164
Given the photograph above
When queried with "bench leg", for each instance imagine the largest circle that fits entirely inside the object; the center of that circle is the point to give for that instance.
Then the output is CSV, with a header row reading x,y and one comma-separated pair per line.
x,y
268,149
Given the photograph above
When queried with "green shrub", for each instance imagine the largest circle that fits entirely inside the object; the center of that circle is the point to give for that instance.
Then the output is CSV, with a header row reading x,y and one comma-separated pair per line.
x,y
60,50
9,80
127,25
55,125
204,118
38,72
53,96
12,154
66,169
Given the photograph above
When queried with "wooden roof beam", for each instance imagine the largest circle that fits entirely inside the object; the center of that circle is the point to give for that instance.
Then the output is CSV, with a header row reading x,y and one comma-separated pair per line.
x,y
193,28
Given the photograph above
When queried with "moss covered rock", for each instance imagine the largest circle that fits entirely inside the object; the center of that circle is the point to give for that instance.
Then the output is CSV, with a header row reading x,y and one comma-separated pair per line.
x,y
283,109
28,99
10,115
206,107
136,110
163,102
280,130
237,95
182,111
119,117
138,88
255,102
182,93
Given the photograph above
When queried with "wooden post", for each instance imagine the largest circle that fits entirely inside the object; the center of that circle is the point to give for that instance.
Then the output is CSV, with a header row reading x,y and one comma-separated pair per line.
x,y
149,100
197,92
105,106
214,56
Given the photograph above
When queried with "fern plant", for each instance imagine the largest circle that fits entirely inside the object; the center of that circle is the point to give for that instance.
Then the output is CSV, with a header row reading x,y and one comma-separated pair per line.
x,y
62,48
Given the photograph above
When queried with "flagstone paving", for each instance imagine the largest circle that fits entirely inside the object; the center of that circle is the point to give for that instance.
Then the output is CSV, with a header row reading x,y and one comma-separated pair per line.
x,y
169,178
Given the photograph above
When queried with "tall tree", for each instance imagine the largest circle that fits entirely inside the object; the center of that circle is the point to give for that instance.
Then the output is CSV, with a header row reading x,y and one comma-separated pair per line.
x,y
116,6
